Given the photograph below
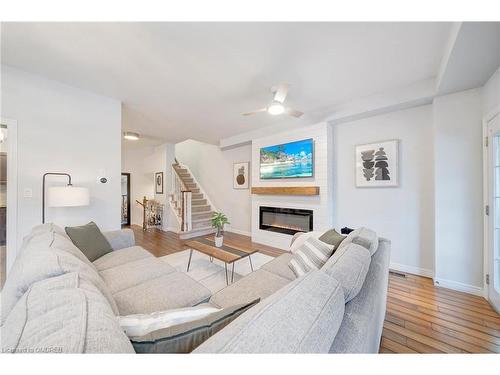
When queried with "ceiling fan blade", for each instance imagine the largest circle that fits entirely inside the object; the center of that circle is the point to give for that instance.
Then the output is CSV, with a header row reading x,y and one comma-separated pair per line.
x,y
293,112
254,112
281,91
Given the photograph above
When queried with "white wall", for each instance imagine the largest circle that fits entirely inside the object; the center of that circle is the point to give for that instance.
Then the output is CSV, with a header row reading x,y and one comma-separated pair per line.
x,y
403,214
490,94
63,129
213,169
459,189
320,204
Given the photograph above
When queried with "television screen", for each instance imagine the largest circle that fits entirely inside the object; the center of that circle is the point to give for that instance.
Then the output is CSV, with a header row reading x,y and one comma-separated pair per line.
x,y
289,160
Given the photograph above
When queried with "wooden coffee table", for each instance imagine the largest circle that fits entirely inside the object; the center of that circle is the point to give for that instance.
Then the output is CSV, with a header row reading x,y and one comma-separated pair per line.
x,y
228,254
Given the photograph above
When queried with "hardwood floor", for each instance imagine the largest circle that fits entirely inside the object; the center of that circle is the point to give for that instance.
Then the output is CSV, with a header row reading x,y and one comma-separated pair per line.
x,y
420,318
161,243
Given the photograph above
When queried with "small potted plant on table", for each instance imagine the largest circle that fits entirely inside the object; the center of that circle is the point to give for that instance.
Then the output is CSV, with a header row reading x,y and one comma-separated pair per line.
x,y
218,221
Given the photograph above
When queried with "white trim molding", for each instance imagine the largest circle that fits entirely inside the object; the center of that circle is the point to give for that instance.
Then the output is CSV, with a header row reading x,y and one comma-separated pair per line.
x,y
411,269
461,287
238,231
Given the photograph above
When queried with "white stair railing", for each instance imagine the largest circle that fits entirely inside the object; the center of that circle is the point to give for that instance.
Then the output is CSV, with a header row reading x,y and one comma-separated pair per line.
x,y
181,198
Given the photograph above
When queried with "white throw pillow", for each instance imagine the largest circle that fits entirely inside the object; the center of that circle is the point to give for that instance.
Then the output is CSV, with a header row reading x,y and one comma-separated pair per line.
x,y
299,241
141,324
312,255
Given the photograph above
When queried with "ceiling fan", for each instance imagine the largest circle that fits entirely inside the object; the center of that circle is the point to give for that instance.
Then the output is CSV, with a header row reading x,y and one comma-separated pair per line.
x,y
276,107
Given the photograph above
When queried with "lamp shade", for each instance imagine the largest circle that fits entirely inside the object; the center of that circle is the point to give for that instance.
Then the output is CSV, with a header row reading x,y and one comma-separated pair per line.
x,y
67,196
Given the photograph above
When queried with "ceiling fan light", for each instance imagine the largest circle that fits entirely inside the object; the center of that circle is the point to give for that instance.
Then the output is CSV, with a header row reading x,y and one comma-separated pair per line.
x,y
131,136
276,108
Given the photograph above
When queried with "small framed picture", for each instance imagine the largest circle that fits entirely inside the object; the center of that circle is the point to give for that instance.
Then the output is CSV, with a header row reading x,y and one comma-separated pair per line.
x,y
241,175
377,164
159,182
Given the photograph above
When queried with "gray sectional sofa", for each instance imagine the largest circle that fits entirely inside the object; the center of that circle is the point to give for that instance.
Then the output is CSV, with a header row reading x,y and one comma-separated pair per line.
x,y
55,300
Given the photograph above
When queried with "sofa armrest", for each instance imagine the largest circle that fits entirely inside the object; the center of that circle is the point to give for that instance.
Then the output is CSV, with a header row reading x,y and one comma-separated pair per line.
x,y
120,239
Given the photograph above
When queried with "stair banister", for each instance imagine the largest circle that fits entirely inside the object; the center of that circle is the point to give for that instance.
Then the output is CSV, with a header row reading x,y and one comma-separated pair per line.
x,y
183,195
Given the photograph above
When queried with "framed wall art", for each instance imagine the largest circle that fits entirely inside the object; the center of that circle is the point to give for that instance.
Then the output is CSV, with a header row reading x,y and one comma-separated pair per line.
x,y
241,175
377,164
159,182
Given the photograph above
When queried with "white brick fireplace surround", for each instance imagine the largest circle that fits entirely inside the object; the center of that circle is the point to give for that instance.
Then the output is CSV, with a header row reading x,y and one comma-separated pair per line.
x,y
322,204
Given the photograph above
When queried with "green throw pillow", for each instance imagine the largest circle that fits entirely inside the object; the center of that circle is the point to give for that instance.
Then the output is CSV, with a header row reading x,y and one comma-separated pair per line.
x,y
90,240
332,237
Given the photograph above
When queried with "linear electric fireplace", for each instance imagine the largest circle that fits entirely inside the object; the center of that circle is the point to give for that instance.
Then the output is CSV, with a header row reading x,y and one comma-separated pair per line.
x,y
285,220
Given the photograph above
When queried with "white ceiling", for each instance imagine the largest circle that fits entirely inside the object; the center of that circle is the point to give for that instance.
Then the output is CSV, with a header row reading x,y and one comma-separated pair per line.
x,y
192,80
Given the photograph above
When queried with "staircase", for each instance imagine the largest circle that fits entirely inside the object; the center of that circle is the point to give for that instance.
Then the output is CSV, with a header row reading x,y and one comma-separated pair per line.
x,y
190,204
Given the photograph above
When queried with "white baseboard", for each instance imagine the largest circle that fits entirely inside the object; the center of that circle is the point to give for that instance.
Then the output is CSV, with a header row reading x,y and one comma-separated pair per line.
x,y
171,229
411,269
237,231
461,287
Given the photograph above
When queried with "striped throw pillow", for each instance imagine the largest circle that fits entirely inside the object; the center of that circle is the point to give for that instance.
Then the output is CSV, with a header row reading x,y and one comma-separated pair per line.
x,y
311,255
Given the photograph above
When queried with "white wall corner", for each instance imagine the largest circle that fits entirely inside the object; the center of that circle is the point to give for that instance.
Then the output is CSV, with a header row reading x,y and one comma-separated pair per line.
x,y
455,29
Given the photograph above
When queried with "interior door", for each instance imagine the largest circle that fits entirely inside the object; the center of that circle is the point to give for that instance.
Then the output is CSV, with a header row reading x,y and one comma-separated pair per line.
x,y
493,256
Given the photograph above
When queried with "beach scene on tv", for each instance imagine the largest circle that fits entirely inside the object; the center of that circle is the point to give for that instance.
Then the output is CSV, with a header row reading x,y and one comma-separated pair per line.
x,y
289,160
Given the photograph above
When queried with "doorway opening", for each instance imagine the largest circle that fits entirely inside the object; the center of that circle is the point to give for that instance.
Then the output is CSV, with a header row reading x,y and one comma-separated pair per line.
x,y
125,220
8,196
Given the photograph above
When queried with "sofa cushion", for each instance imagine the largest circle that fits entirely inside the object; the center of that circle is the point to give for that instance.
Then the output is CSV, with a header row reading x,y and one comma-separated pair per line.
x,y
303,317
349,266
310,256
47,227
44,257
90,240
363,322
258,284
170,291
279,266
120,239
364,237
134,273
63,314
119,257
185,337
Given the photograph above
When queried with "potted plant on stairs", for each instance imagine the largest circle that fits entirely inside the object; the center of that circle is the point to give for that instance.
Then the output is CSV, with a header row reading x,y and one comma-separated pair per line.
x,y
218,221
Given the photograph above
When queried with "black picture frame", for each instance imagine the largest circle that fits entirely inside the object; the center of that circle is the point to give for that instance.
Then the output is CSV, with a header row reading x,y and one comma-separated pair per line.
x,y
159,183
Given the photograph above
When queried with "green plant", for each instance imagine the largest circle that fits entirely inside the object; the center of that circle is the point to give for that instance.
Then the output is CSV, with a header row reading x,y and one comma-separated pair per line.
x,y
218,221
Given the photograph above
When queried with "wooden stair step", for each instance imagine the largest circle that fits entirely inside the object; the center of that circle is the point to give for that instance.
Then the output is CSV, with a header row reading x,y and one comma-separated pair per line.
x,y
198,202
197,196
201,224
204,208
203,214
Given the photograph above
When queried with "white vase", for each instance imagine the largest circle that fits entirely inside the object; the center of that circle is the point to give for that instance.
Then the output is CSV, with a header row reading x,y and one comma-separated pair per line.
x,y
218,241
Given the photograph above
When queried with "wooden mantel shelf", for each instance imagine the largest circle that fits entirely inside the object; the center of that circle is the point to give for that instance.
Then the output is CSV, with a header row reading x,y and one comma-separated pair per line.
x,y
287,190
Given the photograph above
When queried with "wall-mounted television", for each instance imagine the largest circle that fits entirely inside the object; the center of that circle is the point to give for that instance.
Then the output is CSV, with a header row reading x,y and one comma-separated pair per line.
x,y
288,160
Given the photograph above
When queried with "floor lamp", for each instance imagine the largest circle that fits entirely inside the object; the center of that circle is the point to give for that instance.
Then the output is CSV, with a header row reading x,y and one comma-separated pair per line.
x,y
63,196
